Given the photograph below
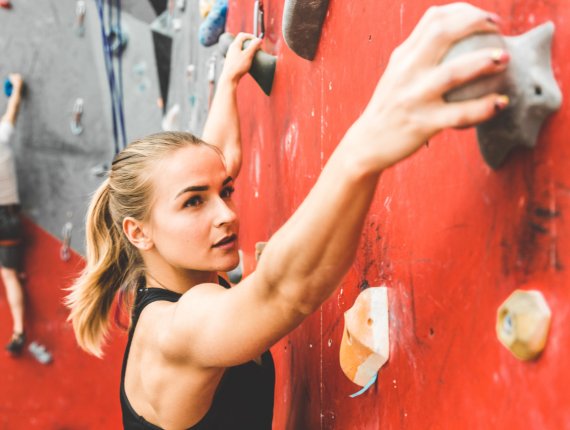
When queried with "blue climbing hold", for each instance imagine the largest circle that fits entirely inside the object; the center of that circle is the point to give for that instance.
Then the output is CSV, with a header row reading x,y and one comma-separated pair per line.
x,y
214,24
8,87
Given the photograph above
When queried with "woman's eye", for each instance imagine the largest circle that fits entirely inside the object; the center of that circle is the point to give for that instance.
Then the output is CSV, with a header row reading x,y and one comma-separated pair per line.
x,y
193,201
227,192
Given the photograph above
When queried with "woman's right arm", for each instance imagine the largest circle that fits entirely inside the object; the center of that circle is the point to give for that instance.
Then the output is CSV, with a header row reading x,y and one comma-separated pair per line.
x,y
14,101
306,259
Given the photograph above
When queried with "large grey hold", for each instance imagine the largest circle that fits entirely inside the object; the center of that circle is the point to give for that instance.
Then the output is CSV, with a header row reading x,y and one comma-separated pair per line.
x,y
528,81
302,24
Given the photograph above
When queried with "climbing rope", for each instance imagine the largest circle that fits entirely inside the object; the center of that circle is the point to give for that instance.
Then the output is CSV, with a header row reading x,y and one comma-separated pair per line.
x,y
114,42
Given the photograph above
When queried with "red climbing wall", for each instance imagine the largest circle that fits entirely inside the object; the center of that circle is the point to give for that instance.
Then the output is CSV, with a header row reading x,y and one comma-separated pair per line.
x,y
448,236
75,391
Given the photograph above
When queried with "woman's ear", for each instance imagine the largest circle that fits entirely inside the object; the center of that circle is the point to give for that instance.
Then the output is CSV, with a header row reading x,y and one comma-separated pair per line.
x,y
136,234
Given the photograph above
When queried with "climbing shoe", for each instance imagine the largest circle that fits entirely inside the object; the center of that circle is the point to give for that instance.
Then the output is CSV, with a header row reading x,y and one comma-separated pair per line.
x,y
16,344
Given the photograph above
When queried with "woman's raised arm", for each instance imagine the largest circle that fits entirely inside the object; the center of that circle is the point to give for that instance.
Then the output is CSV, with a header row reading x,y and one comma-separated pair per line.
x,y
222,127
306,259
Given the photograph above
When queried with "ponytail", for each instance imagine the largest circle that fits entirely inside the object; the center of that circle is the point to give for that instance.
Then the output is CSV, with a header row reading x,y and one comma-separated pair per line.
x,y
105,272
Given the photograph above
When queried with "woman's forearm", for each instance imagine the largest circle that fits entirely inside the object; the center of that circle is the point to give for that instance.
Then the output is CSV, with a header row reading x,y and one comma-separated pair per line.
x,y
222,127
12,108
306,259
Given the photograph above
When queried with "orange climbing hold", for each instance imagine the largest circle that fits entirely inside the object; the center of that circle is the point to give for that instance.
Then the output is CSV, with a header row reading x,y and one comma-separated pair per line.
x,y
365,341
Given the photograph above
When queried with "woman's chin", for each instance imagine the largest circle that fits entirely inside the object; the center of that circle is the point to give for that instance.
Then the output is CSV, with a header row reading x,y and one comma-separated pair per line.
x,y
231,264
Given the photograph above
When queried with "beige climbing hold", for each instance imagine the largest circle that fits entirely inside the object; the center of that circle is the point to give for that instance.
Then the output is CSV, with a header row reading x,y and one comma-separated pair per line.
x,y
365,343
205,7
259,246
523,321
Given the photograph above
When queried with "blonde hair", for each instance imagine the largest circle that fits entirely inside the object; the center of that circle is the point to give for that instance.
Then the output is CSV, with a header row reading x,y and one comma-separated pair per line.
x,y
113,263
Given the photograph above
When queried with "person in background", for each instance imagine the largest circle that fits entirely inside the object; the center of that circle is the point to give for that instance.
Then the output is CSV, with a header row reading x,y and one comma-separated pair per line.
x,y
163,226
10,226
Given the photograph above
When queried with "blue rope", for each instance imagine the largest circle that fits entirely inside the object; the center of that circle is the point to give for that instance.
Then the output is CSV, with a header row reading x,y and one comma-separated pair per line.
x,y
106,56
119,129
120,62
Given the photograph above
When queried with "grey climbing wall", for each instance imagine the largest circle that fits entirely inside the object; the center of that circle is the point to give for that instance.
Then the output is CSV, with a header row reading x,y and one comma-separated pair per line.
x,y
56,169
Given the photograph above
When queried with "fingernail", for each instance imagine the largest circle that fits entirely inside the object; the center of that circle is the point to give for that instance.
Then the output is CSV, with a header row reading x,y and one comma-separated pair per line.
x,y
493,18
501,103
500,56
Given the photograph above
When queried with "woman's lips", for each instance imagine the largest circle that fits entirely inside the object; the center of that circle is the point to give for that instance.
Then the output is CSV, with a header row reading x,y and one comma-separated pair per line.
x,y
226,242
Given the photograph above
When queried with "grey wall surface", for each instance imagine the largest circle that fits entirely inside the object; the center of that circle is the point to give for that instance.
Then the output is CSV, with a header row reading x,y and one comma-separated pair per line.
x,y
191,92
38,39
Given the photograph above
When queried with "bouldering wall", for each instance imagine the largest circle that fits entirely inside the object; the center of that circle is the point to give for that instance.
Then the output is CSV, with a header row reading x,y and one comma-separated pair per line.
x,y
448,236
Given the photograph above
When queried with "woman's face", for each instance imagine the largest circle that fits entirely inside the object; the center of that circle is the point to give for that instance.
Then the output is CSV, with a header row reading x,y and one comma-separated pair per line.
x,y
192,223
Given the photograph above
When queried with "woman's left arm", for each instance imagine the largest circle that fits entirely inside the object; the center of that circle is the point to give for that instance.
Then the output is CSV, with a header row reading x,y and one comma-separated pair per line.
x,y
14,100
222,127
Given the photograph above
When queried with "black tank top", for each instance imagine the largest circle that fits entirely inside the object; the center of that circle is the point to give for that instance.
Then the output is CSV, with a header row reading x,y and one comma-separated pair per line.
x,y
243,399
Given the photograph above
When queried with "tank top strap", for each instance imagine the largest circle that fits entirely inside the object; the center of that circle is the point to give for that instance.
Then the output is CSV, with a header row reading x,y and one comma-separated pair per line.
x,y
223,283
146,296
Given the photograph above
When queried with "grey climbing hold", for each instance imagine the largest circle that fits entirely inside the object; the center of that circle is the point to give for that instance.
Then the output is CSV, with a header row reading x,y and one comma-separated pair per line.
x,y
263,65
236,274
40,353
302,24
528,81
75,124
80,10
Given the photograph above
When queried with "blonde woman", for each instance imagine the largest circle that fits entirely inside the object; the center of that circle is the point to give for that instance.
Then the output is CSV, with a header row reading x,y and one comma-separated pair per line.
x,y
163,225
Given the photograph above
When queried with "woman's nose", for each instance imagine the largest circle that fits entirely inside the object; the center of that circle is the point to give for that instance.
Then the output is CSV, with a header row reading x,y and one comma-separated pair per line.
x,y
225,214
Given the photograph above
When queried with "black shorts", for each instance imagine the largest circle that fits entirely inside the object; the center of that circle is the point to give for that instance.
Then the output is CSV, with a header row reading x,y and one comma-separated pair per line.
x,y
10,238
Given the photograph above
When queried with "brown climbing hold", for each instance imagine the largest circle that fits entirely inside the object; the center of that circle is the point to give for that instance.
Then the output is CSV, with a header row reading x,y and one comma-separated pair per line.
x,y
365,340
523,321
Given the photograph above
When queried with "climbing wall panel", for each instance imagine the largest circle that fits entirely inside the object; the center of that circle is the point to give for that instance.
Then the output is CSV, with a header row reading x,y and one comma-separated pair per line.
x,y
448,236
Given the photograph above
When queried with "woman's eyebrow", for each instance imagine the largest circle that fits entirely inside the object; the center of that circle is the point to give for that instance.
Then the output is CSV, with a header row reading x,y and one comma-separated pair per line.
x,y
201,187
193,188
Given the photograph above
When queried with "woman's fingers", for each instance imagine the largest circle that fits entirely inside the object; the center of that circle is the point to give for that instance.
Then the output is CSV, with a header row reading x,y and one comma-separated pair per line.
x,y
237,45
15,78
239,41
238,59
466,68
442,26
253,47
470,112
242,37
